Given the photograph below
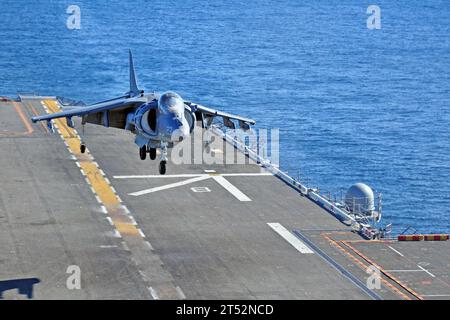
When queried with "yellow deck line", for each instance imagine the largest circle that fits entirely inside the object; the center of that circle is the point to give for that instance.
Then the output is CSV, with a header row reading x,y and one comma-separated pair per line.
x,y
102,188
133,238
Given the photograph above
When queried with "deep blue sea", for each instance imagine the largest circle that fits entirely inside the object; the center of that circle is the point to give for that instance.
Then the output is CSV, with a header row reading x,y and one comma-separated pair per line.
x,y
352,104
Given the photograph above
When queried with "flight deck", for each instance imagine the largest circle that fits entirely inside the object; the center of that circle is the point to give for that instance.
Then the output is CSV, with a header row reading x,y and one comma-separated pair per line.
x,y
198,232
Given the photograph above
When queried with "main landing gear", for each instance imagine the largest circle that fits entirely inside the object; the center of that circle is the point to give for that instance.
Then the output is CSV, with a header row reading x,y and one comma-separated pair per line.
x,y
152,152
143,152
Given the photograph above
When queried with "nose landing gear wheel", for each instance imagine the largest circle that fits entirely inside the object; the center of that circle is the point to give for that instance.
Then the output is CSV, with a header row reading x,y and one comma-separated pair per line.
x,y
152,152
143,152
82,148
162,167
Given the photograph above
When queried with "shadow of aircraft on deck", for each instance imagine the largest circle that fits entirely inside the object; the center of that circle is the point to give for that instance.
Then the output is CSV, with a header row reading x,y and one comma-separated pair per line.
x,y
24,286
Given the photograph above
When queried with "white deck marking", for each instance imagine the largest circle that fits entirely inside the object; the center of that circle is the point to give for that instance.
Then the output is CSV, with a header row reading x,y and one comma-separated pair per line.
x,y
435,295
153,293
289,237
427,271
180,293
219,178
396,251
200,189
238,194
192,175
151,176
149,245
169,186
141,233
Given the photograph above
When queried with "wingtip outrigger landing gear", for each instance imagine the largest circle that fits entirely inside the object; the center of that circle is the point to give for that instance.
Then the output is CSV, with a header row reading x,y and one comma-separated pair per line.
x,y
82,144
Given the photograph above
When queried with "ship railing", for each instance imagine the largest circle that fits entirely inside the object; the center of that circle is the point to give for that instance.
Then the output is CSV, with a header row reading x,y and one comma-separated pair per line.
x,y
312,193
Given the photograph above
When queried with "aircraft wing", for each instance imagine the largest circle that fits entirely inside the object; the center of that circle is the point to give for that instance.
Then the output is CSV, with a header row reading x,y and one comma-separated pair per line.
x,y
71,111
208,114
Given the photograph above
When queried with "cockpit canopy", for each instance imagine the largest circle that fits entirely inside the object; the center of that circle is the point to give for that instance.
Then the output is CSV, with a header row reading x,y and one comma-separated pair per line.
x,y
171,102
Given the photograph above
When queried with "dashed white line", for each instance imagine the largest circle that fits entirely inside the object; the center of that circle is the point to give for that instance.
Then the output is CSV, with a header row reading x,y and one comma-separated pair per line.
x,y
117,234
110,221
180,293
289,237
133,222
149,245
141,233
153,293
104,210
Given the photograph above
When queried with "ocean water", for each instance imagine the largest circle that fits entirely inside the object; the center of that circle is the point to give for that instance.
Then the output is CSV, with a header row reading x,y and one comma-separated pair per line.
x,y
351,104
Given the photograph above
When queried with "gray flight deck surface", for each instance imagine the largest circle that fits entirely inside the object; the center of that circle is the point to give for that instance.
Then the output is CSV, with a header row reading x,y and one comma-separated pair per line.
x,y
194,245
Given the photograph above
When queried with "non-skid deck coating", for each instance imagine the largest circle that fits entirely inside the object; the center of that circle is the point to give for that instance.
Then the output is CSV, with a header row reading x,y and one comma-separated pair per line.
x,y
201,231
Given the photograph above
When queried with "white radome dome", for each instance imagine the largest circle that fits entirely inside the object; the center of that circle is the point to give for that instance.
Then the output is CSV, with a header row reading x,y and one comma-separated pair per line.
x,y
360,199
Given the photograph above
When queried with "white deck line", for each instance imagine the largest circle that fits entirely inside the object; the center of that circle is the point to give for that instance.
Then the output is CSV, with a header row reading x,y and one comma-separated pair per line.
x,y
432,275
289,237
238,194
396,251
169,186
192,175
153,293
187,175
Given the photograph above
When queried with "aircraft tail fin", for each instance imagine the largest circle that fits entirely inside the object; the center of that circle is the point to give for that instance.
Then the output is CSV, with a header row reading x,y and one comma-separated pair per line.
x,y
134,90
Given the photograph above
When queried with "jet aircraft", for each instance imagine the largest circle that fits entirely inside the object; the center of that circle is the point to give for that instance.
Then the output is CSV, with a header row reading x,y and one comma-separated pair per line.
x,y
158,120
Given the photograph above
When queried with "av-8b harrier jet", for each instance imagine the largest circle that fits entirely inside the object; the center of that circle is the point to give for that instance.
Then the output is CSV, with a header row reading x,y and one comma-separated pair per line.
x,y
158,120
